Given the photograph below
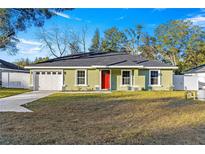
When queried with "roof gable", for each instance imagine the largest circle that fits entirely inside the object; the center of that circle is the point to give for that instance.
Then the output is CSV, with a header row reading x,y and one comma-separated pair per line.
x,y
7,65
198,69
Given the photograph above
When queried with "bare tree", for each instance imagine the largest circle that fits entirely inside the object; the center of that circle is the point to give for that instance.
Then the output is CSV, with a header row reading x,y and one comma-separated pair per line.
x,y
75,41
55,40
60,43
133,39
84,37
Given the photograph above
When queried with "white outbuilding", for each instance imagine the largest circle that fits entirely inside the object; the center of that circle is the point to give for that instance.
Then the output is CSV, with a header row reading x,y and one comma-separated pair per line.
x,y
193,79
13,76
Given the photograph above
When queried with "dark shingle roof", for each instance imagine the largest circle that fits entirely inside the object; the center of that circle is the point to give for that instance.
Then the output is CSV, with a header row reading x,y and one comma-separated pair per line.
x,y
7,65
198,69
154,63
102,59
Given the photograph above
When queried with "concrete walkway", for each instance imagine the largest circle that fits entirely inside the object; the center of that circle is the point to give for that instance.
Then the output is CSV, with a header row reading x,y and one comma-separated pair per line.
x,y
13,103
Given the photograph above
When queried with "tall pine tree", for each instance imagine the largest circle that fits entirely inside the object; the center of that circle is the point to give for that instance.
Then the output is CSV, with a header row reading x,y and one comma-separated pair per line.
x,y
114,40
95,47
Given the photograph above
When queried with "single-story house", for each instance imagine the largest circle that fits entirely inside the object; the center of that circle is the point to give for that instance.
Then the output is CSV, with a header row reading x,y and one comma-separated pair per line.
x,y
13,76
101,71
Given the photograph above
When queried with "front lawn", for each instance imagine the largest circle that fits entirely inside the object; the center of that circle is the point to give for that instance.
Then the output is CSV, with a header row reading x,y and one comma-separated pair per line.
x,y
116,118
5,92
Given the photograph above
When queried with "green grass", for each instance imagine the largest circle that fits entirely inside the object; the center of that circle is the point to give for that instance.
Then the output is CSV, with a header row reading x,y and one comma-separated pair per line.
x,y
155,117
5,92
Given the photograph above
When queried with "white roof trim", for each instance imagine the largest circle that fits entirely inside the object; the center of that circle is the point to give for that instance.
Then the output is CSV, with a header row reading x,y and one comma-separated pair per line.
x,y
82,67
95,66
57,67
163,67
14,70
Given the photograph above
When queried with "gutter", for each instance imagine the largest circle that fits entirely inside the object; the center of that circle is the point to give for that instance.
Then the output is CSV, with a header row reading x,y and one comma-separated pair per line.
x,y
95,66
79,67
14,70
170,67
55,67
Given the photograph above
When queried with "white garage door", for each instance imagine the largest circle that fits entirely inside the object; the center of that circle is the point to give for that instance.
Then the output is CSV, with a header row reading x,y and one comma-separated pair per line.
x,y
50,80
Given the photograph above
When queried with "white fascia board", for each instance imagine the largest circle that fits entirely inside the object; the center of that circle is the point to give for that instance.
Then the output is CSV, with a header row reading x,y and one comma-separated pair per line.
x,y
191,74
79,67
174,67
94,66
46,70
55,67
12,70
140,66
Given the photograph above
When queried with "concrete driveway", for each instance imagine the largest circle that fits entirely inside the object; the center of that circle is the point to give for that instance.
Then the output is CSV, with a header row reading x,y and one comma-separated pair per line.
x,y
13,103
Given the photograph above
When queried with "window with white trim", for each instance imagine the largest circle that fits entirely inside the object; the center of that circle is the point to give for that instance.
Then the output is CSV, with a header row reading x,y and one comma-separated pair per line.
x,y
154,77
126,77
81,77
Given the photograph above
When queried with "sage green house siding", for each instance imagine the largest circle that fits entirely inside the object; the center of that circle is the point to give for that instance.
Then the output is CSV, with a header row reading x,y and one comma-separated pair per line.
x,y
166,80
140,79
92,78
116,79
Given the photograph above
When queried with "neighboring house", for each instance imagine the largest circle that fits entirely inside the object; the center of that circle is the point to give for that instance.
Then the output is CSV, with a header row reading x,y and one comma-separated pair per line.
x,y
13,76
101,71
199,74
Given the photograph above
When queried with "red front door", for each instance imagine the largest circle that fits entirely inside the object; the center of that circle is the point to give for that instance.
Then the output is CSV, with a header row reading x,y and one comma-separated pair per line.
x,y
105,79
